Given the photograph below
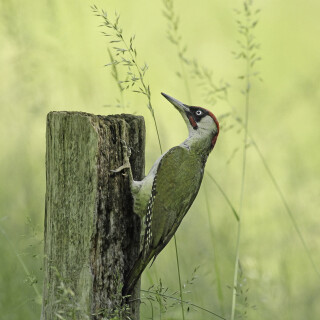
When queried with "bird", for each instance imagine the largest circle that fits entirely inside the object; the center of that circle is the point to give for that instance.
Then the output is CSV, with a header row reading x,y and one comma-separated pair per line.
x,y
167,192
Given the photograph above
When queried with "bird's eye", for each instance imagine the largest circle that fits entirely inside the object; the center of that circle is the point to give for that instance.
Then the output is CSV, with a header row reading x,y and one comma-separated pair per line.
x,y
198,112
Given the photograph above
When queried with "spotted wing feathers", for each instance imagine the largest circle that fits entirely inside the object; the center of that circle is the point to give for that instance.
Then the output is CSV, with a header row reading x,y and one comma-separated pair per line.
x,y
148,219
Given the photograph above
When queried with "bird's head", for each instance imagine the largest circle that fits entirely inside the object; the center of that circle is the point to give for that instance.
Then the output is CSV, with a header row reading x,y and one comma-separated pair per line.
x,y
200,121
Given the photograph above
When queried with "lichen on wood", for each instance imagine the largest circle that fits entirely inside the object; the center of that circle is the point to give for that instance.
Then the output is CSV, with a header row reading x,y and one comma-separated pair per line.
x,y
92,236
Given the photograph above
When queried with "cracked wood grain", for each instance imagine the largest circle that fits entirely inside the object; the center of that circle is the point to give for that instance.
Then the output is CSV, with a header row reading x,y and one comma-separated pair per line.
x,y
92,236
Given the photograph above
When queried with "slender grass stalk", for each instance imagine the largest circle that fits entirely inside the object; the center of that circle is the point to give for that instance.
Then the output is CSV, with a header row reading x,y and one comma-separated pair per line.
x,y
115,75
175,38
236,266
151,306
157,130
224,196
185,302
186,81
212,91
247,53
278,190
179,276
24,266
215,260
287,208
146,88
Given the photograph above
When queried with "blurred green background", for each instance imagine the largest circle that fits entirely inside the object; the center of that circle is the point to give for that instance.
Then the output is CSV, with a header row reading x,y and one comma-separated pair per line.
x,y
52,57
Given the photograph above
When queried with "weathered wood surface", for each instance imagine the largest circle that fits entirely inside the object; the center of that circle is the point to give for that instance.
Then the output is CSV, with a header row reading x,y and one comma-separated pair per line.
x,y
92,237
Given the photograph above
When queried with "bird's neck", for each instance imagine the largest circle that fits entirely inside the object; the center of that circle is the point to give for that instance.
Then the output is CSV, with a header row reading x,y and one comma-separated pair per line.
x,y
199,142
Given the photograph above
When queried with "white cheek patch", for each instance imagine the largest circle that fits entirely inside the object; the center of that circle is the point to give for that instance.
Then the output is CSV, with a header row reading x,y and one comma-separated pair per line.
x,y
207,124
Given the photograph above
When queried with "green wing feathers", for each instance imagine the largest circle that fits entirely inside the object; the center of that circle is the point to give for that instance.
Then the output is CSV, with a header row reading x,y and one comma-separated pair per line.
x,y
177,183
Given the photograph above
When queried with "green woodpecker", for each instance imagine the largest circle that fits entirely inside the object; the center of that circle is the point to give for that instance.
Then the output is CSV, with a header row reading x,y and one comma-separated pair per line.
x,y
165,195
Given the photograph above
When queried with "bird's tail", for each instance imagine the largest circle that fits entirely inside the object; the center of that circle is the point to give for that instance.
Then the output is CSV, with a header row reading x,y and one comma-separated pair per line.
x,y
143,260
136,271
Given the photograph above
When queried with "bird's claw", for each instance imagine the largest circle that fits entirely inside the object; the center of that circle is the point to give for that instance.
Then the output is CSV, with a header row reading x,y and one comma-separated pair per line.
x,y
124,166
127,154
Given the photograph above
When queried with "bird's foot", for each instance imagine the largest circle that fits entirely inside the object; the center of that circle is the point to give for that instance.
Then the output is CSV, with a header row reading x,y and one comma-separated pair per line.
x,y
126,165
127,154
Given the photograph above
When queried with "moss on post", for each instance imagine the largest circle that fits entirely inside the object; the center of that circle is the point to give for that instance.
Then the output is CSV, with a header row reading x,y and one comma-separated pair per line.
x,y
92,236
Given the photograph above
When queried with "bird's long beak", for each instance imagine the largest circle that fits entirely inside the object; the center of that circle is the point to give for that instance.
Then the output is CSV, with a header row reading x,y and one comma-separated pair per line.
x,y
182,108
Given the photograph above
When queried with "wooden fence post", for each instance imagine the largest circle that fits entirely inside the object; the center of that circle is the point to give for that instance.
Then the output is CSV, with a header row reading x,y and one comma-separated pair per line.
x,y
92,236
